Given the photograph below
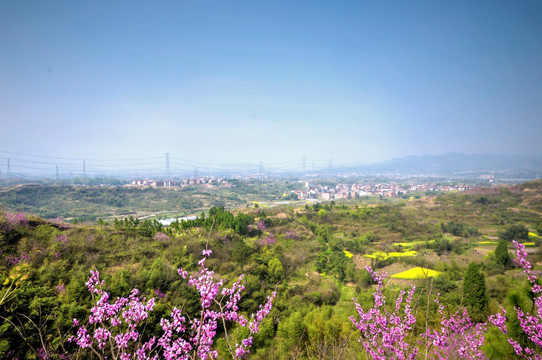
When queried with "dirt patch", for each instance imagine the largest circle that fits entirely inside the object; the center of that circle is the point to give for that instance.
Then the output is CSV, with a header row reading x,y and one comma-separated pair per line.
x,y
360,261
483,250
400,282
393,269
483,191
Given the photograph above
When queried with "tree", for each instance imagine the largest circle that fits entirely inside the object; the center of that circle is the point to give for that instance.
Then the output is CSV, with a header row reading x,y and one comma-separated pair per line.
x,y
275,269
474,293
530,322
322,213
501,253
515,232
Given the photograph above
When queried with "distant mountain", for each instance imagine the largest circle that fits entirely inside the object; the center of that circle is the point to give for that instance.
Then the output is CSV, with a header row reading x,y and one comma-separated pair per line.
x,y
455,164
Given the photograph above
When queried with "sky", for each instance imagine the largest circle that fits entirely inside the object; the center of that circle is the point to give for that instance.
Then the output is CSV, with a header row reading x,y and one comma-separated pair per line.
x,y
215,83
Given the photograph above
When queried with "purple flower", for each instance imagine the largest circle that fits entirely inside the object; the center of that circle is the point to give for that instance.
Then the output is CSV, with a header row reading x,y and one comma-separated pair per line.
x,y
181,339
206,252
160,236
60,289
290,234
62,239
260,225
159,293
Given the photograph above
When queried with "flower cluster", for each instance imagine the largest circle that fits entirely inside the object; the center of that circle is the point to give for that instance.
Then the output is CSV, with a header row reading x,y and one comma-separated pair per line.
x,y
13,260
292,235
531,324
160,236
12,220
458,335
115,325
383,334
159,294
261,225
63,239
268,240
223,239
60,289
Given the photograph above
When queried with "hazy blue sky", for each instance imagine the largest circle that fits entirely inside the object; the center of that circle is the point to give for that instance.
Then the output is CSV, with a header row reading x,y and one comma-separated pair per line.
x,y
244,81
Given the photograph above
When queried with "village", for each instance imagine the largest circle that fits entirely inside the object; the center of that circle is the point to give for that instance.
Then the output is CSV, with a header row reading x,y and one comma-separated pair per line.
x,y
389,190
311,190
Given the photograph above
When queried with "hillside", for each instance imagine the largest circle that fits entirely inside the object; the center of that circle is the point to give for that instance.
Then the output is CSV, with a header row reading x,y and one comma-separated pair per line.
x,y
88,203
313,256
503,167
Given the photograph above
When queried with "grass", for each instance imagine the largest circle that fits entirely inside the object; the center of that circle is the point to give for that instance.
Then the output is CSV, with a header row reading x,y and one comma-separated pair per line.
x,y
416,273
488,243
383,256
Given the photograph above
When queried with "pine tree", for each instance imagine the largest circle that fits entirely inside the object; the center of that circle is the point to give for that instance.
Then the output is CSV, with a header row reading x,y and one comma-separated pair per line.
x,y
501,253
474,293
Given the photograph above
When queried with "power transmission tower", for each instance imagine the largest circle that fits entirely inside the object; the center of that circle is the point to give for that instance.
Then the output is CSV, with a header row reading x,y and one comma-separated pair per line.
x,y
9,170
167,166
195,173
84,169
57,172
260,177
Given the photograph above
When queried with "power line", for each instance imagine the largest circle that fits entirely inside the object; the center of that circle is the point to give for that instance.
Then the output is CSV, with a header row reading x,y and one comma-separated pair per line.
x,y
167,166
77,159
31,163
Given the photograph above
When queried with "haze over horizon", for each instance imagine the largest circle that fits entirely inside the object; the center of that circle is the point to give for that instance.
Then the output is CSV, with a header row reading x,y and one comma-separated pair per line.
x,y
239,82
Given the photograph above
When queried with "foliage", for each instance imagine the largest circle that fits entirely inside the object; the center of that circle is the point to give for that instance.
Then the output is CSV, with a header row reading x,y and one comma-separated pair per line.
x,y
116,326
386,333
44,265
530,322
459,229
515,232
501,253
474,292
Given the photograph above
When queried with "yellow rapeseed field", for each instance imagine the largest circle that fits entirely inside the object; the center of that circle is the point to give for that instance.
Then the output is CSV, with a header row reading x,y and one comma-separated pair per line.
x,y
383,255
416,273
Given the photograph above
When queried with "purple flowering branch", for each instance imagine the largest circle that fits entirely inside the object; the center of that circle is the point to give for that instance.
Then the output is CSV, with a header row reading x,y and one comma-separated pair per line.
x,y
458,335
531,324
384,334
116,332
